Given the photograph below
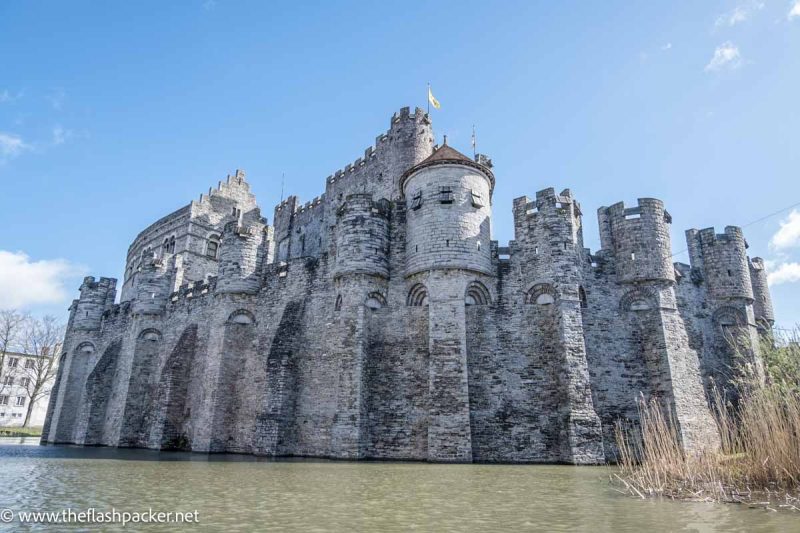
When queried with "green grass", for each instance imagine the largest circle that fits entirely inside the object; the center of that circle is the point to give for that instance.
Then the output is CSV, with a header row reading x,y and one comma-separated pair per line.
x,y
21,432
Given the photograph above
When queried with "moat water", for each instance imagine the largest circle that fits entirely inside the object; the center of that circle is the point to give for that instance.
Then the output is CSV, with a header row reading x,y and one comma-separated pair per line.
x,y
241,493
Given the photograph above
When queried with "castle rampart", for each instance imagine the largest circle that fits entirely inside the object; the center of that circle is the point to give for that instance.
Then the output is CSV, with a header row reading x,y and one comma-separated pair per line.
x,y
380,320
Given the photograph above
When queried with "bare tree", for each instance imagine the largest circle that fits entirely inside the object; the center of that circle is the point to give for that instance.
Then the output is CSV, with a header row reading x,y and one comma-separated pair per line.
x,y
42,339
12,323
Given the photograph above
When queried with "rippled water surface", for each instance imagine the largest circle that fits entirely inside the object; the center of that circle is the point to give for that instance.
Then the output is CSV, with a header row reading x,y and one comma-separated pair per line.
x,y
241,493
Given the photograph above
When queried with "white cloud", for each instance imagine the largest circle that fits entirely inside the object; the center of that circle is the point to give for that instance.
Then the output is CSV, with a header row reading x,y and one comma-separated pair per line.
x,y
784,273
24,282
788,235
60,135
739,14
725,56
795,11
11,146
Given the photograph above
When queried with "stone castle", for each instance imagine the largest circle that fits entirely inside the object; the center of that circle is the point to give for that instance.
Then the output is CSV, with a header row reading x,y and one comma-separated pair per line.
x,y
380,320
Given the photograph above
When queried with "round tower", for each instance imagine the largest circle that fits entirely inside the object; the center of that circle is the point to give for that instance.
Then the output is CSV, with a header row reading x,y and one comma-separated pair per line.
x,y
639,237
448,213
96,297
762,302
362,237
152,288
240,258
722,258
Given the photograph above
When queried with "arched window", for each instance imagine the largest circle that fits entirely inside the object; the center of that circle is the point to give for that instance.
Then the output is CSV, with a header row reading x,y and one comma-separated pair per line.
x,y
85,348
338,305
150,335
242,317
582,298
477,294
212,247
638,300
541,294
417,296
375,300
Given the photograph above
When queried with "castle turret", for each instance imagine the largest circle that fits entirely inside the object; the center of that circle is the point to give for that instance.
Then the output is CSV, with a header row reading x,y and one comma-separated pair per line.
x,y
448,231
548,234
362,237
361,272
95,298
722,259
411,136
241,257
449,206
548,252
153,287
639,238
638,241
762,302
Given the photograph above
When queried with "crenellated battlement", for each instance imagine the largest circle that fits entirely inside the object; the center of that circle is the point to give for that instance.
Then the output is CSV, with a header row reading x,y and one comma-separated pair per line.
x,y
193,289
96,297
316,202
639,238
400,120
381,320
721,258
362,236
152,287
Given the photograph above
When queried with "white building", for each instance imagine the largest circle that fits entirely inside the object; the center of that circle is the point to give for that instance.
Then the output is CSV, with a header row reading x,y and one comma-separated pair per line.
x,y
15,376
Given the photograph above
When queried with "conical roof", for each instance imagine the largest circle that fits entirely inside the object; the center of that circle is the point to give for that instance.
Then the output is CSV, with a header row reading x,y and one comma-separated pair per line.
x,y
446,153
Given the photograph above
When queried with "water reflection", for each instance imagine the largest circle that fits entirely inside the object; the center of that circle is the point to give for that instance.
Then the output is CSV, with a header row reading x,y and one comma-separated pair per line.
x,y
243,493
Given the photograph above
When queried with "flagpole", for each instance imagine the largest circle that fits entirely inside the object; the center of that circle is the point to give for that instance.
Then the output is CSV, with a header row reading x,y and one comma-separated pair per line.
x,y
474,143
428,98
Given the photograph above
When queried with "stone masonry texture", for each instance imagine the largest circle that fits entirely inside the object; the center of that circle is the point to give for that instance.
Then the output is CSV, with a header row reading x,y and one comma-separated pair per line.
x,y
380,321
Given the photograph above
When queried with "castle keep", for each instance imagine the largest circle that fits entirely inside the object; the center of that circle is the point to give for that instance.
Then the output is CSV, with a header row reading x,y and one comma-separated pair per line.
x,y
380,320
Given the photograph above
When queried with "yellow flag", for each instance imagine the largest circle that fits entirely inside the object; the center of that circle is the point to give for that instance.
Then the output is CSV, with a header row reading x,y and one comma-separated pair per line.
x,y
434,102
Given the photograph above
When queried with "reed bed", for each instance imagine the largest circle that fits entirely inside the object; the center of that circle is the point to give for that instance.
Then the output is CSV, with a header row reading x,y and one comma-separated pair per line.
x,y
757,459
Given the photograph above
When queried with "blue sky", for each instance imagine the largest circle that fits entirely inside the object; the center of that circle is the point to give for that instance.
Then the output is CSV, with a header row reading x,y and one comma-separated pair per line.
x,y
114,114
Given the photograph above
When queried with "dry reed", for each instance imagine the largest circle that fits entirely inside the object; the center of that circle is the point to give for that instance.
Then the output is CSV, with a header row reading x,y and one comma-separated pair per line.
x,y
757,461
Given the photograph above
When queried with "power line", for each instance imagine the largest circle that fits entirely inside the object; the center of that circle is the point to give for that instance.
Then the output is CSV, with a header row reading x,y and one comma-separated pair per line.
x,y
779,211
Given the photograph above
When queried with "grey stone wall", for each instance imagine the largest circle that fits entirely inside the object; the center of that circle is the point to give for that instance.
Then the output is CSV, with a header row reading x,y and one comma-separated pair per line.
x,y
363,325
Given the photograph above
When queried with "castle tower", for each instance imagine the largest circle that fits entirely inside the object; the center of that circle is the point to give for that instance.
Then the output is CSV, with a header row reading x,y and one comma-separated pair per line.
x,y
361,272
362,237
762,301
549,251
638,239
722,263
153,287
95,298
448,230
241,257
